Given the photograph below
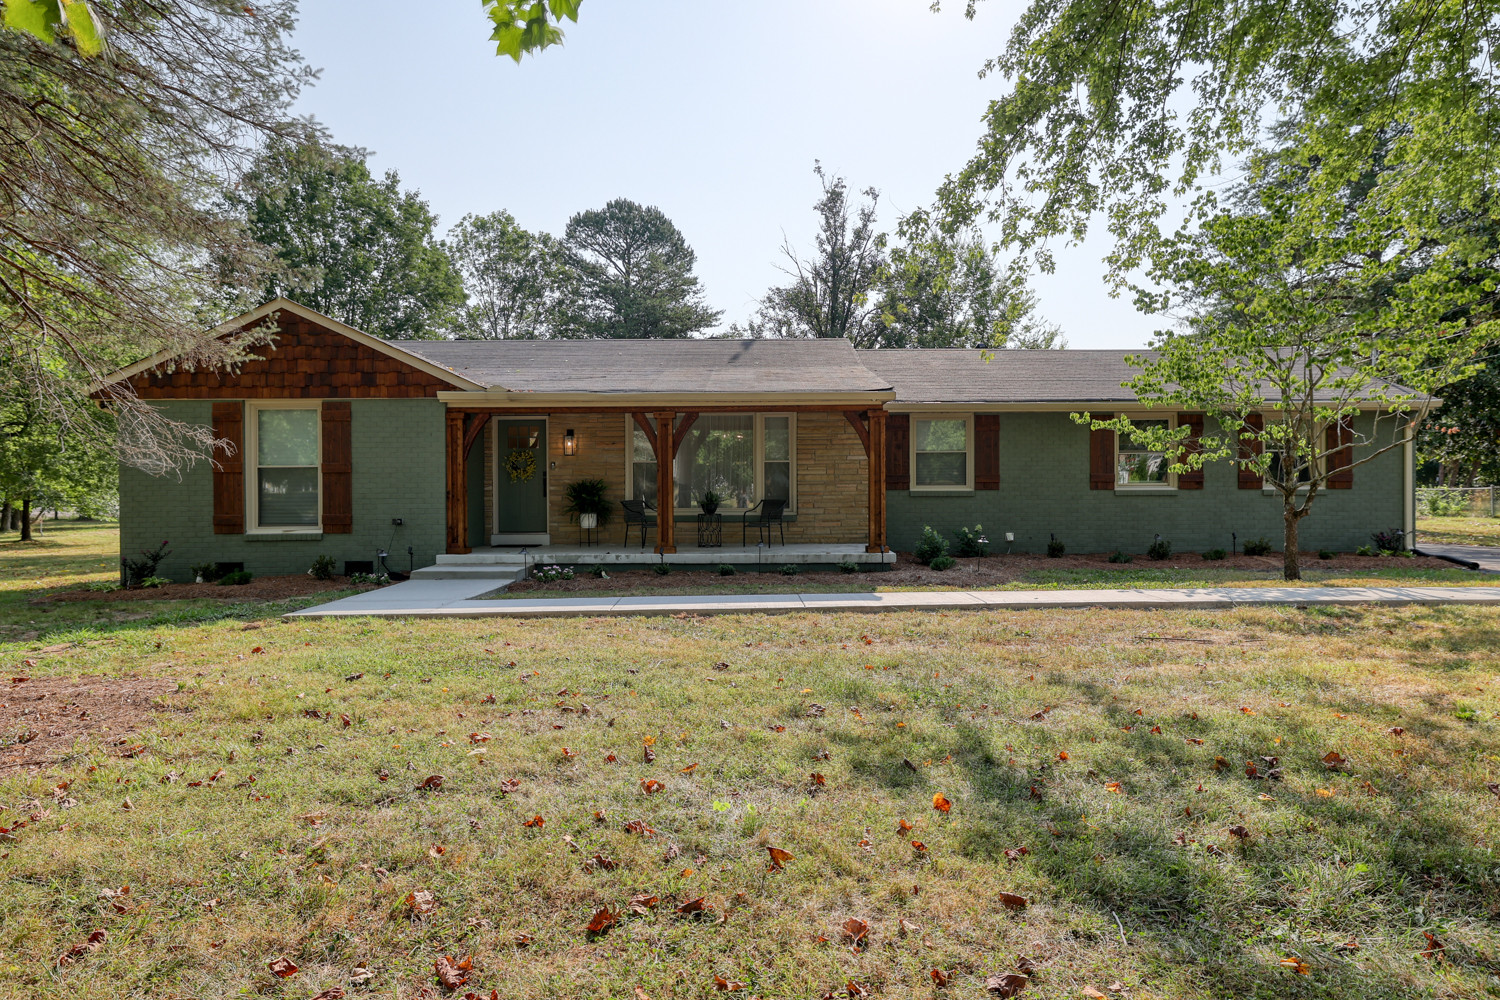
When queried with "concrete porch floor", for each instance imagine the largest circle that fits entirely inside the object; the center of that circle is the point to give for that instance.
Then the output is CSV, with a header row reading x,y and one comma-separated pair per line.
x,y
507,561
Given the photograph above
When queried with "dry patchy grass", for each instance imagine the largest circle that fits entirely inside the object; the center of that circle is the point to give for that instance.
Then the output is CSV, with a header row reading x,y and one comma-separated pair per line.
x,y
1459,530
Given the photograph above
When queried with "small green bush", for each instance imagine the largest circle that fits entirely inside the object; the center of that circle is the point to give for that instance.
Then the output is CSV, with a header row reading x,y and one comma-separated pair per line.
x,y
661,569
1326,553
1055,548
971,542
364,579
726,570
1366,550
238,578
790,569
1121,557
154,581
930,546
144,568
942,563
323,568
1214,555
551,574
1257,546
848,566
1389,541
1440,502
205,572
102,586
1159,549
597,572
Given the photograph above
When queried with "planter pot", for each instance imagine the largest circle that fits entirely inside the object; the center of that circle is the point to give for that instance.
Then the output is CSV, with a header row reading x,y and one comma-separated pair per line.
x,y
588,522
709,510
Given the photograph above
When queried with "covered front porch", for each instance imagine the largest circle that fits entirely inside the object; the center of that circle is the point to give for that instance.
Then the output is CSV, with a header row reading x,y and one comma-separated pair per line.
x,y
508,470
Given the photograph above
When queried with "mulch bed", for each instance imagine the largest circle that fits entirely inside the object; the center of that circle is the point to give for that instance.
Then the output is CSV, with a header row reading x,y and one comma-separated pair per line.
x,y
260,588
992,570
44,719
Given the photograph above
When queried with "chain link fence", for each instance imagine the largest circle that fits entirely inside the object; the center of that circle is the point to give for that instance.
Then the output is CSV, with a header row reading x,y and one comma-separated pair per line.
x,y
1457,501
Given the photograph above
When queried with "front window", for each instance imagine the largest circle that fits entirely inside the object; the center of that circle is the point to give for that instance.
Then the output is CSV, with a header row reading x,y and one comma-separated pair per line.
x,y
940,453
1281,469
286,479
1136,465
740,457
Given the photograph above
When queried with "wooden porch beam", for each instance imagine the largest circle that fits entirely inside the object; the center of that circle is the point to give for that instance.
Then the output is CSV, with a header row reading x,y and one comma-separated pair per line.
x,y
876,464
665,490
688,420
857,421
458,486
474,425
640,421
544,408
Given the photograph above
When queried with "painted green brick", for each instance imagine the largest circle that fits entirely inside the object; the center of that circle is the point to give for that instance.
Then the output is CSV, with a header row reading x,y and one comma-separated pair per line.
x,y
398,451
1044,490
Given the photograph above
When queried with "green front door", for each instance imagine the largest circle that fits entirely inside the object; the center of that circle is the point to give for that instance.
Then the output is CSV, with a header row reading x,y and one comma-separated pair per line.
x,y
520,482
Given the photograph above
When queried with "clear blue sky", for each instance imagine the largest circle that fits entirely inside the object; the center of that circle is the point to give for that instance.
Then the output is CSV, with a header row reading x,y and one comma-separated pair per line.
x,y
713,111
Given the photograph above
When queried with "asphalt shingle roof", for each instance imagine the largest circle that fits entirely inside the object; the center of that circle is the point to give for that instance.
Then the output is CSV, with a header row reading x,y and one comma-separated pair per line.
x,y
964,376
655,366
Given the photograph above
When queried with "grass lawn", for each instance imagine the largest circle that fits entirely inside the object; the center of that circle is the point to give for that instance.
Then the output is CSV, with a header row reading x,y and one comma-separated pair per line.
x,y
1459,530
259,790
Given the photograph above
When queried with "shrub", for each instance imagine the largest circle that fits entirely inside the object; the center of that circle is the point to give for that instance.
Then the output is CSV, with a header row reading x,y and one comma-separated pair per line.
x,y
551,573
1121,557
323,568
366,579
1055,548
1366,550
726,570
1257,546
790,569
848,566
930,546
942,563
1389,541
205,572
1442,502
1159,549
137,570
597,572
971,542
1214,555
154,581
587,496
238,578
1326,553
661,568
102,586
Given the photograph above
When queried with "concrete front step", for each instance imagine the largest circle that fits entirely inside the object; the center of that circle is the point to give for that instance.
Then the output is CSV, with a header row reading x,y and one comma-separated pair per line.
x,y
499,574
769,556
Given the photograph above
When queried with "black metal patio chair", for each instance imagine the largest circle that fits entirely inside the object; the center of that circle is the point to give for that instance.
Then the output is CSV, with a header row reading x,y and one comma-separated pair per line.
x,y
764,515
638,512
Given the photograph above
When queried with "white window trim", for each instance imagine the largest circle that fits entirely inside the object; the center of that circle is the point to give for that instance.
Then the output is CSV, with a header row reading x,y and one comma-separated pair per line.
x,y
760,459
968,487
1170,486
251,465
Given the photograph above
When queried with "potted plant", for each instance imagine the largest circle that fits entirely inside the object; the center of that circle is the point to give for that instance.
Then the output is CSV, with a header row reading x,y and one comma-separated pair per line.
x,y
709,502
587,504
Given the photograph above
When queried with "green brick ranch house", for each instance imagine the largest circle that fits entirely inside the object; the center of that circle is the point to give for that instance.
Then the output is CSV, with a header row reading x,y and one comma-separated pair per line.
x,y
455,454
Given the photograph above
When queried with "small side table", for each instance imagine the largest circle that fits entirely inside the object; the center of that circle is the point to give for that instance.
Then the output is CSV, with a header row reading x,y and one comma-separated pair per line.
x,y
710,531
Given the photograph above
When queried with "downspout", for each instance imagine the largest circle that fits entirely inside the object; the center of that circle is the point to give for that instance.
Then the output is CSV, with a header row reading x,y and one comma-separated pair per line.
x,y
1409,499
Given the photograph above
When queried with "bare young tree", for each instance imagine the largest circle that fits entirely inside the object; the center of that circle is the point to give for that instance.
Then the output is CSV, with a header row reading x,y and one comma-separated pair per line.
x,y
109,247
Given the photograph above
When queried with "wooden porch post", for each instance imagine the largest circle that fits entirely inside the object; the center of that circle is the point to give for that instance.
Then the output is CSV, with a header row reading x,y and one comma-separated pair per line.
x,y
458,486
666,451
876,462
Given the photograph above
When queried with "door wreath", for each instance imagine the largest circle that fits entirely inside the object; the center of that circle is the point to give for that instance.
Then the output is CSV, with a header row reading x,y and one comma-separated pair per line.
x,y
521,464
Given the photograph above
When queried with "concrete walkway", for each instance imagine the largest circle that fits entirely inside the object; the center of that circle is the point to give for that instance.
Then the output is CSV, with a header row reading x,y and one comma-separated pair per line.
x,y
455,599
1481,557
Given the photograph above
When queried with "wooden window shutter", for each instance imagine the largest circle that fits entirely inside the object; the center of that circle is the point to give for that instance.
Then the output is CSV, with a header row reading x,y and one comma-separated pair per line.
x,y
229,469
1191,445
338,470
898,451
1102,455
987,451
1339,443
1251,479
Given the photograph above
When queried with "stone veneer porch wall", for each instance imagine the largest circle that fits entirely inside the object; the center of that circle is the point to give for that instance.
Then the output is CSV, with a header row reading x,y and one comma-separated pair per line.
x,y
832,479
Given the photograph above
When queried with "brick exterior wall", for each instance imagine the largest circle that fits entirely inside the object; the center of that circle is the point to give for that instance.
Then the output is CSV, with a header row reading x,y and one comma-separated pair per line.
x,y
398,471
1044,489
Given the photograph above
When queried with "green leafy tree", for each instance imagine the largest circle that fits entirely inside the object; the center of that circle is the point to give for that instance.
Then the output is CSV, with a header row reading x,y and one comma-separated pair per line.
x,y
352,246
1462,437
515,279
834,292
110,243
47,464
632,276
942,290
1312,348
523,26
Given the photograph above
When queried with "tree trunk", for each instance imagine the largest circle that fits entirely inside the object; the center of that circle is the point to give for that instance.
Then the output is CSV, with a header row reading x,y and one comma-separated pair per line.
x,y
26,519
1291,566
4,517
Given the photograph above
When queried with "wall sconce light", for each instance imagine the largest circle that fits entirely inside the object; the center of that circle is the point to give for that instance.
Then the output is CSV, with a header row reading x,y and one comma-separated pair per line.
x,y
570,443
